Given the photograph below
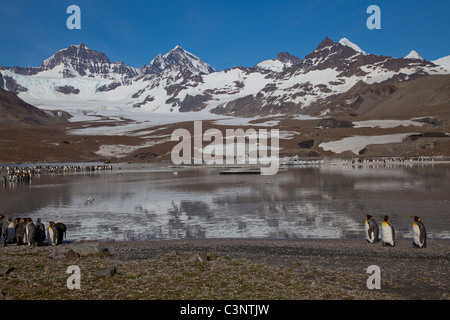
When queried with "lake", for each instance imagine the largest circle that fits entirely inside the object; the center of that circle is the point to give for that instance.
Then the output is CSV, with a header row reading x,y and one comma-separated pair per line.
x,y
155,201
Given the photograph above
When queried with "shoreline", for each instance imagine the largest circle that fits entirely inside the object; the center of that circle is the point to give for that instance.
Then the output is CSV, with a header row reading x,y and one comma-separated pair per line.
x,y
397,160
407,272
226,268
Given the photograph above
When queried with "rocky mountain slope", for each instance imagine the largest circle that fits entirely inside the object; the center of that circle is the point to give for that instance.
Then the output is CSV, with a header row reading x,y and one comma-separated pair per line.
x,y
16,112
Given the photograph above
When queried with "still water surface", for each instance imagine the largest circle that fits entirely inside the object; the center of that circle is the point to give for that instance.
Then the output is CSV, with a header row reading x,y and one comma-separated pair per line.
x,y
136,202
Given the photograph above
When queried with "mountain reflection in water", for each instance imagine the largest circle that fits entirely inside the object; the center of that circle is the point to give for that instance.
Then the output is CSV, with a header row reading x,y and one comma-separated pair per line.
x,y
137,202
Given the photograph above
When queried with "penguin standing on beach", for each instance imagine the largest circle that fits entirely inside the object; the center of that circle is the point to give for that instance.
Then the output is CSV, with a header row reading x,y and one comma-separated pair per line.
x,y
388,232
6,223
2,222
52,233
30,232
10,234
62,229
20,231
40,233
372,230
420,234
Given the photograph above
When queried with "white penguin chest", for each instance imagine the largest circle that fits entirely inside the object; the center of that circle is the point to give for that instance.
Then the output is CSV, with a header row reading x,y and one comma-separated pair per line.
x,y
416,231
387,233
51,235
369,235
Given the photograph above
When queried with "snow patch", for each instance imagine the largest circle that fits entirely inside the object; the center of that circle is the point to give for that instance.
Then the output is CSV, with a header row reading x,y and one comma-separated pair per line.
x,y
444,62
272,65
414,55
386,123
357,143
348,43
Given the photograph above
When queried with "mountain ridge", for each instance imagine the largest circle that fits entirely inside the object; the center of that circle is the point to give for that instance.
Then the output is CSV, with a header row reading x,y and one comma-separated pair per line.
x,y
179,81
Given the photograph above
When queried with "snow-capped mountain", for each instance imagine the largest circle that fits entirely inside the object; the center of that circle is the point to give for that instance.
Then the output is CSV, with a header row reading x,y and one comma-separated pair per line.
x,y
79,61
283,61
180,81
443,62
414,55
331,69
178,57
348,43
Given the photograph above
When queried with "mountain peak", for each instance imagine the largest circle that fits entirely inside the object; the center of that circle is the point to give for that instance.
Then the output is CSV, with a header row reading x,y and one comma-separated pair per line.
x,y
83,61
348,43
414,55
283,61
178,57
75,52
327,42
287,57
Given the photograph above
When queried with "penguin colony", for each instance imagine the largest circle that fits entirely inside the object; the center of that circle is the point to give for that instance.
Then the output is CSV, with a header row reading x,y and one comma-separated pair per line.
x,y
388,232
390,161
24,174
23,231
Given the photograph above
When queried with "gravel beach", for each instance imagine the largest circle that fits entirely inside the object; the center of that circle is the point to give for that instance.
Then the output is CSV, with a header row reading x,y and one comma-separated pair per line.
x,y
213,269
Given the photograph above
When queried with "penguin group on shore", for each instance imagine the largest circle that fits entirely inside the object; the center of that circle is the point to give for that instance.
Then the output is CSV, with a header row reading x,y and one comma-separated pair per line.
x,y
23,231
24,174
56,231
388,232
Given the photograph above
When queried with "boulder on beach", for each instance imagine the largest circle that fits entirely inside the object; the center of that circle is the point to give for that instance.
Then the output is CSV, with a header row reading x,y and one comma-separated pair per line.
x,y
88,247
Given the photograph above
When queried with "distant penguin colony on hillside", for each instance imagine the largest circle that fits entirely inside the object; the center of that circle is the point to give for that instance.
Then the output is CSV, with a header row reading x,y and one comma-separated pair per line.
x,y
23,231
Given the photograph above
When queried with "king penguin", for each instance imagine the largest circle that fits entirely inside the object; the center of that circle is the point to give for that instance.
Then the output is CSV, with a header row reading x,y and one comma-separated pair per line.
x,y
62,229
388,232
10,232
20,231
40,233
420,234
30,231
372,230
52,233
2,217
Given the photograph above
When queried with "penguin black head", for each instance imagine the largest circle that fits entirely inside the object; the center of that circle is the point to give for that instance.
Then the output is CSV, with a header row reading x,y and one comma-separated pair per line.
x,y
368,216
416,218
52,223
386,218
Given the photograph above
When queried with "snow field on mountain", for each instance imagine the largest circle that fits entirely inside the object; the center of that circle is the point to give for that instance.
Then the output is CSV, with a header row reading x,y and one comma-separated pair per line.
x,y
348,43
444,62
356,143
385,124
162,86
272,65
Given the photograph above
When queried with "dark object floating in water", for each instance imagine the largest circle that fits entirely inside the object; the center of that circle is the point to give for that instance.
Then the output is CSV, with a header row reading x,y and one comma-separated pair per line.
x,y
241,171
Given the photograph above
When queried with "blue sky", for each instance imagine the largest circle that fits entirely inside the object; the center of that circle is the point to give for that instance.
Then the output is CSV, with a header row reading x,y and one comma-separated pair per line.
x,y
223,33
